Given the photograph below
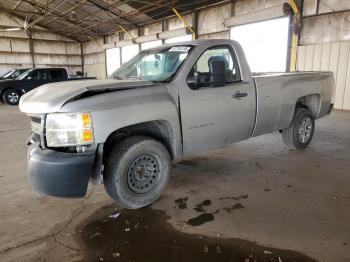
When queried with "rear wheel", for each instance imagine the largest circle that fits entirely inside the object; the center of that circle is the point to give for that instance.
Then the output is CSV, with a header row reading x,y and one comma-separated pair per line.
x,y
11,97
136,171
299,135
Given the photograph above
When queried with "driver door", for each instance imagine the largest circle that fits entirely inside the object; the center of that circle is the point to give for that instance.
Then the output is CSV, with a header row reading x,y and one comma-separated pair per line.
x,y
37,78
213,117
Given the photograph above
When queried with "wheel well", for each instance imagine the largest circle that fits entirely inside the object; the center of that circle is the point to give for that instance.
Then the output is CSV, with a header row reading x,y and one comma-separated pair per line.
x,y
2,92
160,130
5,89
312,102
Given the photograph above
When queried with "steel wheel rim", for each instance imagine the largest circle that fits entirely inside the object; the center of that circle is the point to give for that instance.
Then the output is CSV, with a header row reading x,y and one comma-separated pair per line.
x,y
13,97
305,130
143,173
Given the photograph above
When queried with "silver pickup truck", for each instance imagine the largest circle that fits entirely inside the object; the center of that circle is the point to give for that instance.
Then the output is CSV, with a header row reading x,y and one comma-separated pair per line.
x,y
163,104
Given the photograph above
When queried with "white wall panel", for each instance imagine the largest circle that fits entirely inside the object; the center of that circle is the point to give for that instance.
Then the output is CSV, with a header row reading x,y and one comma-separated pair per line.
x,y
250,6
20,45
316,65
47,47
73,48
15,59
95,65
50,59
74,60
212,20
309,57
152,28
5,45
333,57
301,58
326,56
310,7
93,46
341,76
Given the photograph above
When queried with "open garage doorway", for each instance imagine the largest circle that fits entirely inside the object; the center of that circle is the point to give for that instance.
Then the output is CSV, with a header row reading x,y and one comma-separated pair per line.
x,y
265,44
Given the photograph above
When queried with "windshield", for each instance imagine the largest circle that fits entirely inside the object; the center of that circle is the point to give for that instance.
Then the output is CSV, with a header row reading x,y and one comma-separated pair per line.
x,y
22,76
14,73
158,65
7,74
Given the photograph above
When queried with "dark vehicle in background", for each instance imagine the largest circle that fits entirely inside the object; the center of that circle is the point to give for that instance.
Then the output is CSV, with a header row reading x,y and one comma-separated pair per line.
x,y
14,73
12,89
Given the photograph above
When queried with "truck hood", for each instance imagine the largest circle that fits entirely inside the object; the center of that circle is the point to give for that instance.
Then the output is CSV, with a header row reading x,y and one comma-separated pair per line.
x,y
50,98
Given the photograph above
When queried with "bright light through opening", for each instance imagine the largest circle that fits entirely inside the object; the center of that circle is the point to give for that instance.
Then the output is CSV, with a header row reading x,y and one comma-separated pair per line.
x,y
129,52
265,44
148,45
113,60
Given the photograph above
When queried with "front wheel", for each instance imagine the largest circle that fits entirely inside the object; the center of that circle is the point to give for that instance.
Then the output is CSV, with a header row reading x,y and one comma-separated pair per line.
x,y
299,135
11,97
136,171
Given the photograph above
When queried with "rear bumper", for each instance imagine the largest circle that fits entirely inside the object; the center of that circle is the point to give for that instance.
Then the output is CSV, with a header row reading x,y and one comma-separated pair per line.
x,y
60,174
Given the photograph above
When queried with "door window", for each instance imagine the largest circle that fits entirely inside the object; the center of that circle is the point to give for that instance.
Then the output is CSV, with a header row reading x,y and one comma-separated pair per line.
x,y
40,75
200,74
56,74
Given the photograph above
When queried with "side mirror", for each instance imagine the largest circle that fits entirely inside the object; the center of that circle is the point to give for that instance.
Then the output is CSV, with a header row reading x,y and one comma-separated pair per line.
x,y
217,71
193,81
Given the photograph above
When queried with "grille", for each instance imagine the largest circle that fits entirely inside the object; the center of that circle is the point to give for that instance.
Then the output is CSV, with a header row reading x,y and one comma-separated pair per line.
x,y
36,119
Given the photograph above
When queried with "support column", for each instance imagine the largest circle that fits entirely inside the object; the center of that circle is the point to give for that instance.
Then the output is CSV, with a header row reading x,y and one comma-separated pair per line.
x,y
165,27
82,57
31,46
295,29
195,24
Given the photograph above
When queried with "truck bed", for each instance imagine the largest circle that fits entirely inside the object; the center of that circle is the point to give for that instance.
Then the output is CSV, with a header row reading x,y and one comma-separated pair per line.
x,y
277,92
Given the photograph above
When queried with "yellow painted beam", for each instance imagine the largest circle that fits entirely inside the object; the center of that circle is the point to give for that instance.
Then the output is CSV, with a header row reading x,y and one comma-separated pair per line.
x,y
294,53
127,32
185,23
295,38
294,6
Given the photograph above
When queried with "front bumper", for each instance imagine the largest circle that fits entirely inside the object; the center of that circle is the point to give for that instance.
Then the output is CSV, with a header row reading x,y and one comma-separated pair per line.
x,y
60,174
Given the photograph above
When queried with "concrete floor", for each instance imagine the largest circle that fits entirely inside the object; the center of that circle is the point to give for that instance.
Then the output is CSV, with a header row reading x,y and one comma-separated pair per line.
x,y
296,200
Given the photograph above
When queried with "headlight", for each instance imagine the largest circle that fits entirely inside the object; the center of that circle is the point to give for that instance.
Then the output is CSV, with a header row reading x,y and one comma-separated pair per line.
x,y
69,129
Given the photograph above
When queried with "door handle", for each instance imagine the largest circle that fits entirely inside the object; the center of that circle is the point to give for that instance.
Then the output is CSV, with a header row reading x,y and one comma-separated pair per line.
x,y
239,95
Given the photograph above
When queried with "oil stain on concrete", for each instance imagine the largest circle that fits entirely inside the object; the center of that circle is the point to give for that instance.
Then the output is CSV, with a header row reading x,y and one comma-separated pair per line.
x,y
145,235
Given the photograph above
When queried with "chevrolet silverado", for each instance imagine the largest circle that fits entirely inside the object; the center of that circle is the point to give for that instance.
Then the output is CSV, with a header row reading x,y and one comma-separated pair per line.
x,y
165,103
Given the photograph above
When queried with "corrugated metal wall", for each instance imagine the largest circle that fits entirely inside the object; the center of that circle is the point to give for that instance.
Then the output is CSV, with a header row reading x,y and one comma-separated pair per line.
x,y
50,49
325,44
94,59
333,57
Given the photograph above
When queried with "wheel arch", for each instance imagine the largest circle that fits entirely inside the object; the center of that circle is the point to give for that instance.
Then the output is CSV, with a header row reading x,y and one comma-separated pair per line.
x,y
160,130
3,90
311,102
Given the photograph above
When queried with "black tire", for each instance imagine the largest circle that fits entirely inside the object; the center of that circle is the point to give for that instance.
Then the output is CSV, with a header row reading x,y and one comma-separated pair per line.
x,y
296,137
134,163
11,97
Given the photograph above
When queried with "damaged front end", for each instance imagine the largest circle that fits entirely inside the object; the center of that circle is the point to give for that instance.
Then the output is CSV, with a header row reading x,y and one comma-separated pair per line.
x,y
61,171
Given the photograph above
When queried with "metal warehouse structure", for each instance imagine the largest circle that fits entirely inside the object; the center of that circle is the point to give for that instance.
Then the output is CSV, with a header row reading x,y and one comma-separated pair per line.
x,y
96,36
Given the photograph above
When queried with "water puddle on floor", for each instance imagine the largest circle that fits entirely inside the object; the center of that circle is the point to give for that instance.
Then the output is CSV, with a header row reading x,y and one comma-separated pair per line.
x,y
145,235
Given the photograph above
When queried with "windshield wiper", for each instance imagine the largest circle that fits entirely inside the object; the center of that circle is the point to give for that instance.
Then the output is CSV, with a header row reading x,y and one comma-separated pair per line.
x,y
117,77
136,77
